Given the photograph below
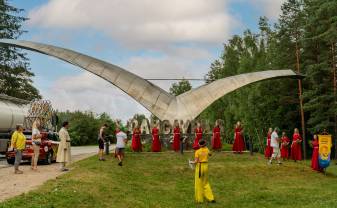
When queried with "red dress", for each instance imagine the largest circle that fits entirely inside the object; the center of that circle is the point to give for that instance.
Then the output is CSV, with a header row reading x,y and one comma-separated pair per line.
x,y
156,146
176,139
198,133
136,144
284,147
314,159
216,141
239,143
296,151
269,150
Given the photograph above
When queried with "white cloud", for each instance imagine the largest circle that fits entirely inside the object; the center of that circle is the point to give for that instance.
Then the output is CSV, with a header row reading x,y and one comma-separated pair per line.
x,y
89,92
177,62
141,22
269,8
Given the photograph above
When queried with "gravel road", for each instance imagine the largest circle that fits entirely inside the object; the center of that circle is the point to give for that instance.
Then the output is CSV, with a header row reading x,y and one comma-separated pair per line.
x,y
13,185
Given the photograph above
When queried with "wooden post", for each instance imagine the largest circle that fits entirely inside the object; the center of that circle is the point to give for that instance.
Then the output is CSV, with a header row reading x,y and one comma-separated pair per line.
x,y
334,93
301,100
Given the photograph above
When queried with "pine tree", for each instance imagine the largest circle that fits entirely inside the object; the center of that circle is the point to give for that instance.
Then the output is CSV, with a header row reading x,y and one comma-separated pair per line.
x,y
15,75
320,52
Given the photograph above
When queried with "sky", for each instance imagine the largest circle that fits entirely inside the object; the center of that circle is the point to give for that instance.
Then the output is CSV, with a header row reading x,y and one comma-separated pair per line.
x,y
151,38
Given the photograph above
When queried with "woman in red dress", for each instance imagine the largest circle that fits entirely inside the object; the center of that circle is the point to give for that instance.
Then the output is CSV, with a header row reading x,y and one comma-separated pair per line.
x,y
136,144
156,146
314,159
198,136
284,146
239,143
269,150
296,151
176,138
216,141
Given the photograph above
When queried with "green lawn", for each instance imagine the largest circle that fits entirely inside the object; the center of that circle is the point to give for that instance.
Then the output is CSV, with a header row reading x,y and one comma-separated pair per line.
x,y
165,180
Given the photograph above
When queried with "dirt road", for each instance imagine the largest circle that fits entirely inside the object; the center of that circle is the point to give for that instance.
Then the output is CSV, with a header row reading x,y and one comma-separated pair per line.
x,y
13,185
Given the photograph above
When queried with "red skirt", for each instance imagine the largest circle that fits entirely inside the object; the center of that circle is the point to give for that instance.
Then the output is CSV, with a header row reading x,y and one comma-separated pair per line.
x,y
136,145
156,146
196,144
216,142
284,152
268,151
239,143
314,160
296,152
176,142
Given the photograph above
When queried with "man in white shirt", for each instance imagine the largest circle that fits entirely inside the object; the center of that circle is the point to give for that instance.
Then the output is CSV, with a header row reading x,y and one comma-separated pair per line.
x,y
120,145
275,144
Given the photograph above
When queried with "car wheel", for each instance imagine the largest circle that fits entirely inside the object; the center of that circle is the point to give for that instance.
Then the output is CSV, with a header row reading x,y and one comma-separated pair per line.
x,y
10,161
49,158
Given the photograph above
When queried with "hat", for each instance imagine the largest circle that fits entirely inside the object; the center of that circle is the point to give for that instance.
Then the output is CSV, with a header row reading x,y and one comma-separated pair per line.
x,y
202,143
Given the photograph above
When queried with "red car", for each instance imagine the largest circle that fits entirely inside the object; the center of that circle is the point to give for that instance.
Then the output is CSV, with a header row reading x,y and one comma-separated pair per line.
x,y
48,149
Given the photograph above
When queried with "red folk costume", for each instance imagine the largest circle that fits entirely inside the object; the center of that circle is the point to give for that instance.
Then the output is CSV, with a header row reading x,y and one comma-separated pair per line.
x,y
176,139
156,146
136,144
198,137
216,141
314,159
269,150
239,143
296,152
285,147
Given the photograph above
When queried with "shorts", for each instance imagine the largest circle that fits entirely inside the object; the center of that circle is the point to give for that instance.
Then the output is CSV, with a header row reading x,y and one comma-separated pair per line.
x,y
119,151
101,144
276,152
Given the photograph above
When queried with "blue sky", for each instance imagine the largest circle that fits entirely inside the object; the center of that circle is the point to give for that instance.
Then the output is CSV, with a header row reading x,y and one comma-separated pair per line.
x,y
154,39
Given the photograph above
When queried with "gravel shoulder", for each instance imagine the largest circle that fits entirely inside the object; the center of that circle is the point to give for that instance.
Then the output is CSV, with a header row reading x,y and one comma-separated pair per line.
x,y
13,184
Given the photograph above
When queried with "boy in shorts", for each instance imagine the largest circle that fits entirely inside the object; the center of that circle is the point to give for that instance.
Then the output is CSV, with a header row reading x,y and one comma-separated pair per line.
x,y
120,145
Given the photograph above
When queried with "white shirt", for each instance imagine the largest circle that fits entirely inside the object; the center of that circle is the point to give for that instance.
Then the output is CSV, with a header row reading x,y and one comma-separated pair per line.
x,y
121,136
273,142
35,132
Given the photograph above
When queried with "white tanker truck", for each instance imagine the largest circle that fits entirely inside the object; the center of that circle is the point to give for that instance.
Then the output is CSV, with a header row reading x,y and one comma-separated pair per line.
x,y
15,111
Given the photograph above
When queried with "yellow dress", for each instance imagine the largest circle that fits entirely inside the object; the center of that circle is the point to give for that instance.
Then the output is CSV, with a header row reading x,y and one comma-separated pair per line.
x,y
202,187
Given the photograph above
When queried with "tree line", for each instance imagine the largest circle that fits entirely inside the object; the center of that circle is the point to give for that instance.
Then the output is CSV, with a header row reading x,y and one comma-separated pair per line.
x,y
303,39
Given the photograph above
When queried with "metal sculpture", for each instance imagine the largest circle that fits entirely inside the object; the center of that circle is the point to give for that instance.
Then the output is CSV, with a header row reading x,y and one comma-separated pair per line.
x,y
165,106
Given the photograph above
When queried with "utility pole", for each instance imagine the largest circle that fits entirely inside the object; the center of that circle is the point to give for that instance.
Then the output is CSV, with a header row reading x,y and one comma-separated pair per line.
x,y
333,55
301,100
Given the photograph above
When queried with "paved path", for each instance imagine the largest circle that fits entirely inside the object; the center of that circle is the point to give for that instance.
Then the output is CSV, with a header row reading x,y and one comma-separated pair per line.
x,y
13,185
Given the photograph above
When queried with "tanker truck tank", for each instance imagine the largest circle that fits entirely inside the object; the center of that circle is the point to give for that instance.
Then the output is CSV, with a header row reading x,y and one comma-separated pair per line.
x,y
12,112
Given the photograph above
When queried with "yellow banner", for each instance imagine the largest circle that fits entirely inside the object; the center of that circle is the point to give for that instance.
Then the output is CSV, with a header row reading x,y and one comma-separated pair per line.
x,y
325,144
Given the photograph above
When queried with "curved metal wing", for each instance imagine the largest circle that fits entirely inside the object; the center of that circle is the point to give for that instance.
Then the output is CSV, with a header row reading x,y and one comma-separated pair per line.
x,y
152,97
186,106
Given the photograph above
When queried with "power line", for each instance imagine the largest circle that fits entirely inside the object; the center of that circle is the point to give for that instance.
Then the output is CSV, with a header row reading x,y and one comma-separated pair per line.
x,y
191,79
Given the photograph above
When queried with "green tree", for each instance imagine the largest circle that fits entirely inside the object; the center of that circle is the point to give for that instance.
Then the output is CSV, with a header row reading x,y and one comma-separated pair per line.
x,y
180,87
320,62
15,75
84,126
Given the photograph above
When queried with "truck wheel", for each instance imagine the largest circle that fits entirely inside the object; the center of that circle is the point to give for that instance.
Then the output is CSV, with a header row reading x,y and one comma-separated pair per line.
x,y
10,161
49,158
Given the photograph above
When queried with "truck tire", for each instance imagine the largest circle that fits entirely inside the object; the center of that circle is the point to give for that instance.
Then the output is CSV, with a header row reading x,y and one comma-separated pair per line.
x,y
49,158
11,161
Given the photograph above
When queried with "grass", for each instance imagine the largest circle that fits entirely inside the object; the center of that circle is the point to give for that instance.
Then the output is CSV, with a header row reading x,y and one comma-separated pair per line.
x,y
165,180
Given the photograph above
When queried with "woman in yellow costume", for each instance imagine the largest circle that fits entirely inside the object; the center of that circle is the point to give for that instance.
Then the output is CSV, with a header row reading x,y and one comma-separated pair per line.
x,y
202,187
